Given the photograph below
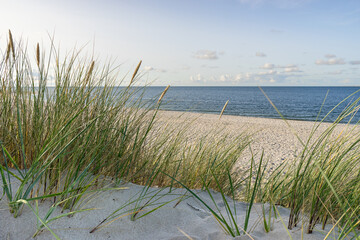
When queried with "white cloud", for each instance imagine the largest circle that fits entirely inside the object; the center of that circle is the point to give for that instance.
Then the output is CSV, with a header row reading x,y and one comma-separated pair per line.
x,y
355,62
260,54
238,77
206,54
268,66
330,61
150,68
248,75
269,77
330,56
288,69
288,66
291,69
253,78
243,76
197,78
225,77
271,72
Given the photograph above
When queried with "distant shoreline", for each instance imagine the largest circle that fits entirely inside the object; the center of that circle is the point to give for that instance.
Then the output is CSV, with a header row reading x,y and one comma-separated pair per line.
x,y
245,116
255,117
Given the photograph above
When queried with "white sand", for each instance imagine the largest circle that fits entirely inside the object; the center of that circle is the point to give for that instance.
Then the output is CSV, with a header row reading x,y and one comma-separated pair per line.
x,y
273,136
190,216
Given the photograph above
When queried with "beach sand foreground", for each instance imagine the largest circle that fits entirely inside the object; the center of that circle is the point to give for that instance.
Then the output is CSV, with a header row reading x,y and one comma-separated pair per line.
x,y
188,219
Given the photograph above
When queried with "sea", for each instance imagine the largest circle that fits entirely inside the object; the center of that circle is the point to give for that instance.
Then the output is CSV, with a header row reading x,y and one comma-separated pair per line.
x,y
294,103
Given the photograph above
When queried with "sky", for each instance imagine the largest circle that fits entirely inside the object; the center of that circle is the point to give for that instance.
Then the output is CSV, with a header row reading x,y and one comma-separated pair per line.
x,y
202,42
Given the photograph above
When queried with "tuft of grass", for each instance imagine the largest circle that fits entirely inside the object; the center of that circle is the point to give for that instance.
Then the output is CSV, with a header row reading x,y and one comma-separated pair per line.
x,y
65,127
324,181
61,138
229,222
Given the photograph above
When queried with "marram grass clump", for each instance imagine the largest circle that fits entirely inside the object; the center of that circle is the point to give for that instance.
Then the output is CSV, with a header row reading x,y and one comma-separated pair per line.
x,y
65,126
60,138
322,185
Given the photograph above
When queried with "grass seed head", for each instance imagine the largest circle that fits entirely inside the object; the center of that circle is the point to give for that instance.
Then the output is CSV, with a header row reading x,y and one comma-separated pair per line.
x,y
222,111
11,44
135,72
89,73
163,94
38,54
8,52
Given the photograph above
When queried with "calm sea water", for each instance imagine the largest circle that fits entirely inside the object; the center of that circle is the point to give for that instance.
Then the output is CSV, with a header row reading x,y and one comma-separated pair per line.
x,y
299,103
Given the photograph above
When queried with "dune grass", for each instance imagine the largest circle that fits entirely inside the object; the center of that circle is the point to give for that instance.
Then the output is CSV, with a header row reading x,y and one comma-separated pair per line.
x,y
63,137
62,141
324,183
65,141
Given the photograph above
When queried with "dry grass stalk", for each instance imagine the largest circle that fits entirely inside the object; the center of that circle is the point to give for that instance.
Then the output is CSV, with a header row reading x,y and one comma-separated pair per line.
x,y
163,94
89,73
222,111
38,54
135,72
11,44
8,52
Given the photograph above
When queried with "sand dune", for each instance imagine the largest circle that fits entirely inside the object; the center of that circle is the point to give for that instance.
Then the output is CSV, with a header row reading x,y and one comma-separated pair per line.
x,y
188,219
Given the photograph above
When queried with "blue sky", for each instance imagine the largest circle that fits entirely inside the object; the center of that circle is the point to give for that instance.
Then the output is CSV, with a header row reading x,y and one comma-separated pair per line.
x,y
204,42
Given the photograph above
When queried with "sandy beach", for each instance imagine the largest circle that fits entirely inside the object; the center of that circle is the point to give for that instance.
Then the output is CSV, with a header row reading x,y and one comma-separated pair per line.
x,y
276,137
187,219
